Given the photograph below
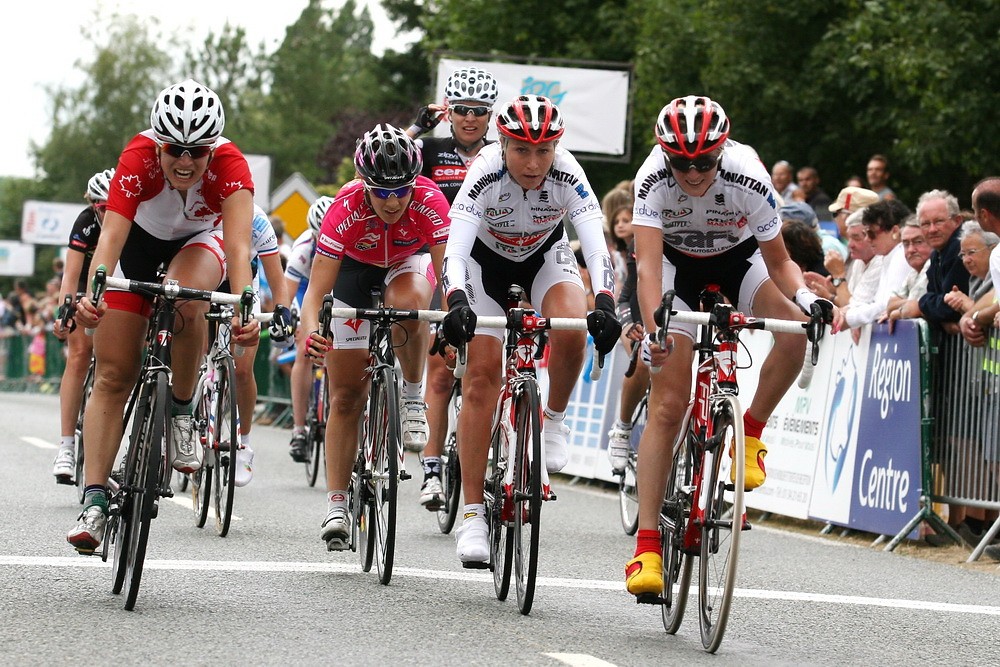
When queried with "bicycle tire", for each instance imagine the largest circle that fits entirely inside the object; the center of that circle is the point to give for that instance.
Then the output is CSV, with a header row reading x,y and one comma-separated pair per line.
x,y
201,480
677,563
527,462
720,534
628,495
451,469
147,472
384,468
88,385
316,427
501,530
227,442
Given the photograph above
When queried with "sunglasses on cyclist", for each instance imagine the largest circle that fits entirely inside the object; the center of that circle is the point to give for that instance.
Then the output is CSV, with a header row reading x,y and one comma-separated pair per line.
x,y
385,193
701,164
178,150
465,110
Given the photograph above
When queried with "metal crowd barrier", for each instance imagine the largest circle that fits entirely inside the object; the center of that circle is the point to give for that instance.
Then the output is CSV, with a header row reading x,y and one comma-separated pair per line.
x,y
965,445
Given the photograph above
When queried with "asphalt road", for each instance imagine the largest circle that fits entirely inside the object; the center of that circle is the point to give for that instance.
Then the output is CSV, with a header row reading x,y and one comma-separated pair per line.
x,y
270,593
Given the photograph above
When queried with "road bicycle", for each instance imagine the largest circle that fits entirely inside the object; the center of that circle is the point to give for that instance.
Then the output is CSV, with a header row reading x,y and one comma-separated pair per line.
x,y
216,415
69,324
143,476
316,414
517,482
703,513
451,468
378,469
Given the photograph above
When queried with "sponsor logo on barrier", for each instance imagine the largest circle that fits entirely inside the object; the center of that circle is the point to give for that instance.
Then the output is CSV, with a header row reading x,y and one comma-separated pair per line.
x,y
840,421
883,487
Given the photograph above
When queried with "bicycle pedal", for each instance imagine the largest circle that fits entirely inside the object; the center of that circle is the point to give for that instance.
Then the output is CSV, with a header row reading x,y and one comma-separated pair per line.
x,y
65,479
475,565
403,475
166,492
747,525
648,598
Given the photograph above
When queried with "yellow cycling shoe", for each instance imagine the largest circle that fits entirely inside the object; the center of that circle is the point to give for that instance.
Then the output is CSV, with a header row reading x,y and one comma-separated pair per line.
x,y
644,574
755,473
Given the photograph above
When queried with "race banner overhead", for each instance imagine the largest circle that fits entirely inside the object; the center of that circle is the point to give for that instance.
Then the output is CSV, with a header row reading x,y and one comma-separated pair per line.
x,y
594,102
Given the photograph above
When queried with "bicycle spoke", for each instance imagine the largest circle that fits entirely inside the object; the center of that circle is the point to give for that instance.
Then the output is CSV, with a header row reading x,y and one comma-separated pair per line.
x,y
677,563
527,462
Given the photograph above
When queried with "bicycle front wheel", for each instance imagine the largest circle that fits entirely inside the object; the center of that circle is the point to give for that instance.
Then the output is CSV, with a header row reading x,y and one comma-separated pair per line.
x,y
225,445
723,525
628,496
501,530
88,385
142,480
451,470
201,480
384,440
677,563
527,462
316,427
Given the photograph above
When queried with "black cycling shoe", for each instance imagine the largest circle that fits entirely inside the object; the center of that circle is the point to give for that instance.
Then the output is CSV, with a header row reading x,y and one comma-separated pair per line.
x,y
299,448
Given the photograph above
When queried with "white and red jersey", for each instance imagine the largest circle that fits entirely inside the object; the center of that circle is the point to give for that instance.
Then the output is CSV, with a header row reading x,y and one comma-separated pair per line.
x,y
351,227
140,192
514,223
738,205
300,259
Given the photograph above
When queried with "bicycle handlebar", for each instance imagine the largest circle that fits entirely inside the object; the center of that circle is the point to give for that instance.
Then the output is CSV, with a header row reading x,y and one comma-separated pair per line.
x,y
391,313
557,323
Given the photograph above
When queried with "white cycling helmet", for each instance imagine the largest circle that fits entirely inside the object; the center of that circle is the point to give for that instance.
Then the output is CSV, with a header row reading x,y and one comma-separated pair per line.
x,y
317,212
187,113
98,186
471,84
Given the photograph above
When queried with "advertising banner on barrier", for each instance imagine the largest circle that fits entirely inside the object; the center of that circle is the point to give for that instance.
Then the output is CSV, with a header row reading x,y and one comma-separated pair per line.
x,y
887,471
592,410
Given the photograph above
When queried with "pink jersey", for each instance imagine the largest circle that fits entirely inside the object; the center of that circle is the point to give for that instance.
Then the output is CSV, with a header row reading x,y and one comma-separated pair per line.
x,y
351,227
140,192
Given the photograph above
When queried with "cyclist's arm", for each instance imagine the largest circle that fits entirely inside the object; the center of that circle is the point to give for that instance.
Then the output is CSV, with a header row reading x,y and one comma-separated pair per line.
x,y
114,233
237,223
784,273
71,272
461,238
275,278
649,270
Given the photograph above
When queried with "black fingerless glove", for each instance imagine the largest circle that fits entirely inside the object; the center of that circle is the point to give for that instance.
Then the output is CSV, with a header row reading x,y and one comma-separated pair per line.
x,y
427,119
603,325
459,324
281,327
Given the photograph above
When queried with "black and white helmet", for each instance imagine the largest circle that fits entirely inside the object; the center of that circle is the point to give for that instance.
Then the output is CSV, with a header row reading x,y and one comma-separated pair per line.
x,y
317,212
386,157
187,113
98,186
471,84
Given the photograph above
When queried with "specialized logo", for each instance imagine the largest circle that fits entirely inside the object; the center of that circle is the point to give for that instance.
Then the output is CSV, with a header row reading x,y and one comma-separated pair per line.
x,y
354,324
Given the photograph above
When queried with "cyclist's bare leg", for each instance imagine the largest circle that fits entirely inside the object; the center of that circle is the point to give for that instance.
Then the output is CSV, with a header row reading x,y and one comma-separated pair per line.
x,y
346,373
437,393
410,291
784,362
566,357
480,389
633,389
300,381
81,346
118,343
246,388
669,395
198,268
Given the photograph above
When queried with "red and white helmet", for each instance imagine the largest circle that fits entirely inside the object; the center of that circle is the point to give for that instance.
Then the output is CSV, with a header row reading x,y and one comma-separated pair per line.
x,y
531,118
692,126
187,113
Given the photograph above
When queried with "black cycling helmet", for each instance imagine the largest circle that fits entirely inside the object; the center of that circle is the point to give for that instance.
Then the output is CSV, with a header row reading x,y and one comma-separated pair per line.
x,y
387,158
692,126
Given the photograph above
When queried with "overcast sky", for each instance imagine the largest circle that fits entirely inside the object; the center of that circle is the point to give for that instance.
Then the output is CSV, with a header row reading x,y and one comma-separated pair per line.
x,y
43,40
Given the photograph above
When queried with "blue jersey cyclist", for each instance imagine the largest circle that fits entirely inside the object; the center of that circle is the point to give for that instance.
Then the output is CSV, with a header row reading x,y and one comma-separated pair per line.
x,y
705,212
507,227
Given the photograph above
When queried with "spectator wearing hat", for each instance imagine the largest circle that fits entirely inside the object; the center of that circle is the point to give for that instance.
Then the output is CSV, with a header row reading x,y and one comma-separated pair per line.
x,y
810,192
803,212
781,179
849,200
877,173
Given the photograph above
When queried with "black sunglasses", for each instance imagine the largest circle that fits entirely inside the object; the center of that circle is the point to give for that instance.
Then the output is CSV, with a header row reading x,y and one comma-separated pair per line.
x,y
465,110
178,150
701,164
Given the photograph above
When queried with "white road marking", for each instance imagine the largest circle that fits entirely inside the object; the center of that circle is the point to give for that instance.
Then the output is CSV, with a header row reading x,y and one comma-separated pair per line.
x,y
38,442
579,660
184,500
554,582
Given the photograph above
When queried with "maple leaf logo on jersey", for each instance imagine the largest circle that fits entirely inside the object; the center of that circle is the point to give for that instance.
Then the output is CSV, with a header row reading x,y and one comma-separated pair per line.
x,y
234,185
202,211
130,185
354,324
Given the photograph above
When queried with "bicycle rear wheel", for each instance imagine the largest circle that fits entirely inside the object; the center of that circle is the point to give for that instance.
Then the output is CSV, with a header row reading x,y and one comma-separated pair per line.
x,y
385,440
227,442
501,530
316,426
451,470
147,449
628,496
88,385
720,534
527,462
677,563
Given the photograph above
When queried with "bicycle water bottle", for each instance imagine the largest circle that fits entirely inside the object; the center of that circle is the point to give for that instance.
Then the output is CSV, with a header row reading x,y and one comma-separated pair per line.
x,y
725,365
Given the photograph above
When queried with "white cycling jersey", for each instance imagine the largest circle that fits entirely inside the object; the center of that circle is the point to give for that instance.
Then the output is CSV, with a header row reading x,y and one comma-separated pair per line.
x,y
514,223
301,258
739,204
